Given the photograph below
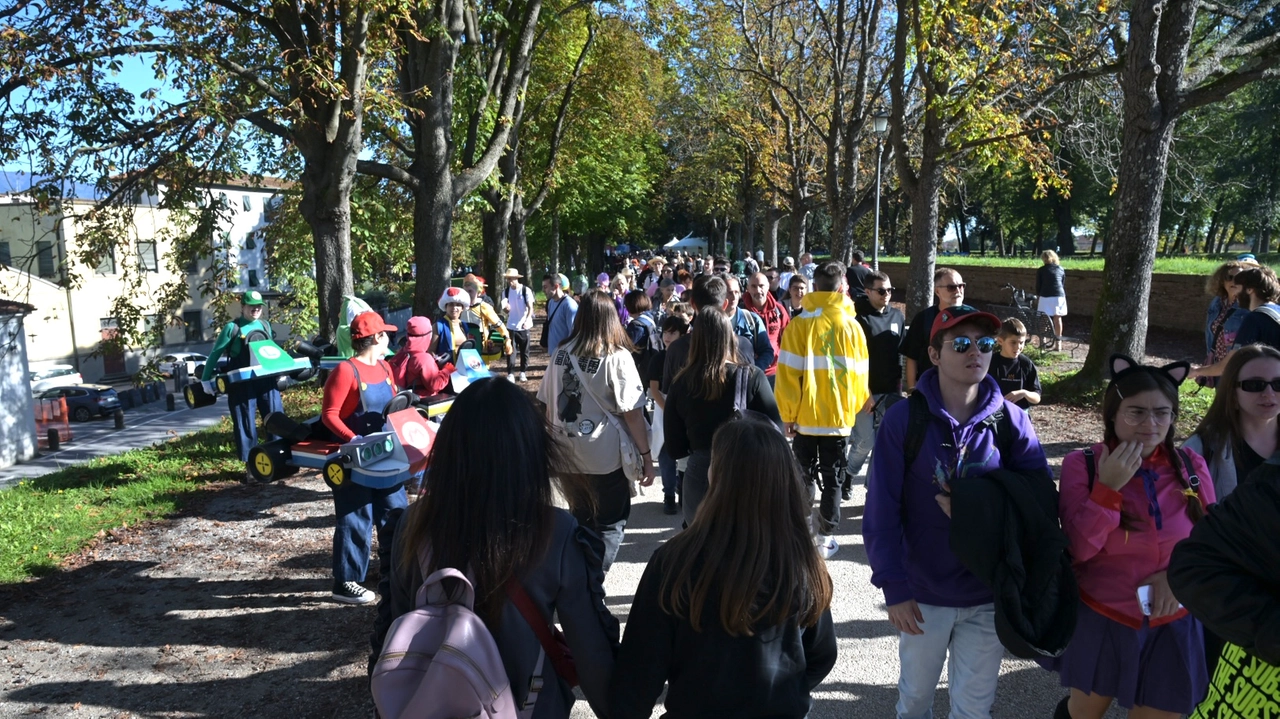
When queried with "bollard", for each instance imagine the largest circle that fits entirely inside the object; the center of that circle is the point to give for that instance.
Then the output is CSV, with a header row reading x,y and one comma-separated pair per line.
x,y
54,440
119,418
169,403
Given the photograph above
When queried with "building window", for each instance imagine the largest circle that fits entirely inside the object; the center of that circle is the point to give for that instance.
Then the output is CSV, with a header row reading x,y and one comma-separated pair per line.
x,y
247,202
250,241
152,323
193,266
194,322
108,264
226,239
147,256
47,268
108,323
253,278
5,257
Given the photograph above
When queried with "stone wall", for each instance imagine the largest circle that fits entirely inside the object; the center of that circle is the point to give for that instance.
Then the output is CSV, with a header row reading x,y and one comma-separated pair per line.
x,y
1178,302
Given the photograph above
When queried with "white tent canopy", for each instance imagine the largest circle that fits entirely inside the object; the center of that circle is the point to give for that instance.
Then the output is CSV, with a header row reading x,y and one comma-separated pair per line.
x,y
688,244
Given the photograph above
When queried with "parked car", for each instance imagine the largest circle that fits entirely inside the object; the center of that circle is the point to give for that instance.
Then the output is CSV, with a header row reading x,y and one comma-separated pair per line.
x,y
191,359
198,370
54,376
86,401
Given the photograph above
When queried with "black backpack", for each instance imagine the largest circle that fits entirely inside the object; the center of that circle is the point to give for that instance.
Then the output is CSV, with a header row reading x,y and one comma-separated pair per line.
x,y
919,418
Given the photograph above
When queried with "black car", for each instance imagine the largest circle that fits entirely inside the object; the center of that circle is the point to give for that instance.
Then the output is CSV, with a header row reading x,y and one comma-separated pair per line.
x,y
85,401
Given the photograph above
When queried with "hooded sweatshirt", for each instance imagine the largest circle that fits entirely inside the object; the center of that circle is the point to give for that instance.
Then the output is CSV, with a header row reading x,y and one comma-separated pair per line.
x,y
414,367
906,533
775,321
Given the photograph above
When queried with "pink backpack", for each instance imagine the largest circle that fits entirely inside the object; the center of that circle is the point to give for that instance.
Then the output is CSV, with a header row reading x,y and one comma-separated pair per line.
x,y
440,661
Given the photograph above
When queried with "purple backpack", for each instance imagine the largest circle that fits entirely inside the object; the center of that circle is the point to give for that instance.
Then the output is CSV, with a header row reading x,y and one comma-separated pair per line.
x,y
440,661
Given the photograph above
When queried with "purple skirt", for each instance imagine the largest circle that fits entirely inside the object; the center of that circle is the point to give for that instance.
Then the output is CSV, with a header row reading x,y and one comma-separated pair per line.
x,y
1162,667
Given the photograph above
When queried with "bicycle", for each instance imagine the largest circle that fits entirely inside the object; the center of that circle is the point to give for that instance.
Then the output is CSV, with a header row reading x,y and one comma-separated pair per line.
x,y
1024,308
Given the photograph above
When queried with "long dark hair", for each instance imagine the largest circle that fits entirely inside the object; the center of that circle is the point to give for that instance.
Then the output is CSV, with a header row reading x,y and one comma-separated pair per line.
x,y
597,331
748,549
713,348
1221,424
486,511
1137,383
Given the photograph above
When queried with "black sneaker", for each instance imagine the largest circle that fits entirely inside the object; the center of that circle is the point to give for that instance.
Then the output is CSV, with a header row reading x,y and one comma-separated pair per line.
x,y
669,504
352,593
846,491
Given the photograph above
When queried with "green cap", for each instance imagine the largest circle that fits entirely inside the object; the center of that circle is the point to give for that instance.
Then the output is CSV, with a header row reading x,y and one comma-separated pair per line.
x,y
252,297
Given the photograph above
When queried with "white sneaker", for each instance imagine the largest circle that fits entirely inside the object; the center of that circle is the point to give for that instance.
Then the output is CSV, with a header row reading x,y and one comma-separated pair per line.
x,y
511,378
827,546
523,378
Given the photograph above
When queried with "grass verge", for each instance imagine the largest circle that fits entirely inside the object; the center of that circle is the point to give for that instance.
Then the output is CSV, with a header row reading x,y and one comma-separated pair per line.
x,y
1060,387
47,519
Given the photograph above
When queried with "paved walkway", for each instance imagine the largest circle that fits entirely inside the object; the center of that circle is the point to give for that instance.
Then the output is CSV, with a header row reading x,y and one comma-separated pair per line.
x,y
144,426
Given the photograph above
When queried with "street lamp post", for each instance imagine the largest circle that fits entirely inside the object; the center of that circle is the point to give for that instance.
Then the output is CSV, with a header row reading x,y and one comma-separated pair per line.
x,y
880,124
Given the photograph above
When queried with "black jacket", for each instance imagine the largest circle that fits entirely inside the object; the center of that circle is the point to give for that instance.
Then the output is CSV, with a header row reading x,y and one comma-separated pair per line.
x,y
1226,571
689,422
1004,528
711,675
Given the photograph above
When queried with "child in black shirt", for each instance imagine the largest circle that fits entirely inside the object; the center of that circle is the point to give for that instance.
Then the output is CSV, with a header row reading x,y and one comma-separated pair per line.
x,y
673,328
1015,372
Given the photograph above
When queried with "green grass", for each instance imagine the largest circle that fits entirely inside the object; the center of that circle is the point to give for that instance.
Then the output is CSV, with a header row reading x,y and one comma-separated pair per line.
x,y
1193,400
1193,265
45,520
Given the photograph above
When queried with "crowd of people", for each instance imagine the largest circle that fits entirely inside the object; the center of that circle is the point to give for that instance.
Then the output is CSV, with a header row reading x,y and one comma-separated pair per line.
x,y
755,392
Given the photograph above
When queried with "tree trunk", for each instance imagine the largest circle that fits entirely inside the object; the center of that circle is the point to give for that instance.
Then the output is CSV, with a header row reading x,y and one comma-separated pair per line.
x,y
924,224
1211,236
771,220
555,240
749,224
961,231
1063,219
520,239
799,213
432,240
326,207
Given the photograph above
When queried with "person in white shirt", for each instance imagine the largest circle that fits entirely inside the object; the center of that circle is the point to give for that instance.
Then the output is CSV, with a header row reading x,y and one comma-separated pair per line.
x,y
788,270
807,266
517,300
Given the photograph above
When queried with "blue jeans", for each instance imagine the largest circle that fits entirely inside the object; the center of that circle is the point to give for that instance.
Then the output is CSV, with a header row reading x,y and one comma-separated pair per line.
x,y
865,426
244,400
613,508
696,483
970,634
670,475
357,511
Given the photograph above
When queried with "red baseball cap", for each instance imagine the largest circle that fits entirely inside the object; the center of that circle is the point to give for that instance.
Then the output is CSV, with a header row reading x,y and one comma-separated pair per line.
x,y
952,316
367,324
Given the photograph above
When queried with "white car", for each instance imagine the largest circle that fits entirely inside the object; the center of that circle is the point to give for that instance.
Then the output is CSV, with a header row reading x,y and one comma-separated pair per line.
x,y
56,375
191,359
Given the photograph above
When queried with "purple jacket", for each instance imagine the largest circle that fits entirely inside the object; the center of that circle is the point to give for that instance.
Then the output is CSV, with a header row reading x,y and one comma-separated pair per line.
x,y
906,534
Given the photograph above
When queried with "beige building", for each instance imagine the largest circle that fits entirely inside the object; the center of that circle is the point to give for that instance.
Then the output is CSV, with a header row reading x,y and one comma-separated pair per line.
x,y
42,264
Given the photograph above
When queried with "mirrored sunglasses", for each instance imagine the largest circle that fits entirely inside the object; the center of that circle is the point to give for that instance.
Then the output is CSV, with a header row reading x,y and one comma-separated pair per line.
x,y
962,344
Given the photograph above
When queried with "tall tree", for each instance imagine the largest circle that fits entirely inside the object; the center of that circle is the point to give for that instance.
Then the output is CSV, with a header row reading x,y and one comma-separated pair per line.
x,y
1174,60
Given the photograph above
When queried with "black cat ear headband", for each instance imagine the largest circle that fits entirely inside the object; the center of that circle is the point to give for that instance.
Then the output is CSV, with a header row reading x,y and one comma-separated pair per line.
x,y
1123,366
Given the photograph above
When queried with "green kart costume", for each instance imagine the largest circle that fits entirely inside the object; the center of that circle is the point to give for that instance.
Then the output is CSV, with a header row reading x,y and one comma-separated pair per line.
x,y
244,399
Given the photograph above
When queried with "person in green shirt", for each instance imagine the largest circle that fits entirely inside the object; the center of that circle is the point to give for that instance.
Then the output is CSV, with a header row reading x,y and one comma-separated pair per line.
x,y
244,399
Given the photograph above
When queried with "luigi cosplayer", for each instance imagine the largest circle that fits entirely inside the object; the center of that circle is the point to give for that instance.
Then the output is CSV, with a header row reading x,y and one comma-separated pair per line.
x,y
243,397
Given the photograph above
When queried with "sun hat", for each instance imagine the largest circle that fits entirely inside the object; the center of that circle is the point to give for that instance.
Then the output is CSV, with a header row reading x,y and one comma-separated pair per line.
x,y
511,274
368,324
952,316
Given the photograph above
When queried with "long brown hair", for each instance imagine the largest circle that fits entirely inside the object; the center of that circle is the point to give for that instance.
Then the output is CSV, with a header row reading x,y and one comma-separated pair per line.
x,y
487,512
1221,424
597,331
1136,383
712,349
748,550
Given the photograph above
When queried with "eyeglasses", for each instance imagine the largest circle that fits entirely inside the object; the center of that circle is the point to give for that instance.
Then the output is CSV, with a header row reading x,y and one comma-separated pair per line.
x,y
962,344
881,290
953,288
1258,385
1231,277
1135,416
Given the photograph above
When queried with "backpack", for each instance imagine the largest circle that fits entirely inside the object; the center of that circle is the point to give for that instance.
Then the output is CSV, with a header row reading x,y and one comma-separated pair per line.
x,y
740,411
919,417
647,339
440,661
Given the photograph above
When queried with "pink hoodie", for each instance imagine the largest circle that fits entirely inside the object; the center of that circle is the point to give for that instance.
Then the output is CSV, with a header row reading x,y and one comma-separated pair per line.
x,y
1110,561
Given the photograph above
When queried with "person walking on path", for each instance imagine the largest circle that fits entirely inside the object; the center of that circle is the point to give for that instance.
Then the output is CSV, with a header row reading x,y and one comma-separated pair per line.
x,y
760,301
883,325
1224,315
948,289
702,399
244,399
1051,290
561,312
593,394
821,387
732,614
941,611
750,325
518,300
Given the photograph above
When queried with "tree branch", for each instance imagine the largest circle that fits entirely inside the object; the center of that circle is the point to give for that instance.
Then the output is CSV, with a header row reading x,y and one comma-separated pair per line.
x,y
387,172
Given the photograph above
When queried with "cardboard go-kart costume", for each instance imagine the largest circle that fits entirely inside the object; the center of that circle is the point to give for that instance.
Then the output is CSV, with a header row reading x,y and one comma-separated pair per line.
x,y
255,372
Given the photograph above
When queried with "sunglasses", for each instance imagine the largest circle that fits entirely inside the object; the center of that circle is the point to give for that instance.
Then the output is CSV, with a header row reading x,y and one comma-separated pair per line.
x,y
1258,385
953,288
962,344
881,290
1231,277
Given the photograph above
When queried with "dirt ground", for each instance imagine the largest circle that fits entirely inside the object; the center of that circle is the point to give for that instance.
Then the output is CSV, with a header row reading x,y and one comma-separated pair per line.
x,y
223,611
